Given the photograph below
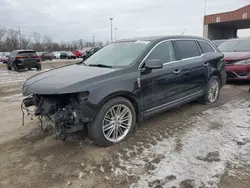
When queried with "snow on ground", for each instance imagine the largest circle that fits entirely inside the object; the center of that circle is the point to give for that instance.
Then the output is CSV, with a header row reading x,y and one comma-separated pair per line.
x,y
217,139
9,77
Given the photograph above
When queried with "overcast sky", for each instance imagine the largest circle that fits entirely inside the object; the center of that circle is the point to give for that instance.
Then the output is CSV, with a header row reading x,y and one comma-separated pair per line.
x,y
65,20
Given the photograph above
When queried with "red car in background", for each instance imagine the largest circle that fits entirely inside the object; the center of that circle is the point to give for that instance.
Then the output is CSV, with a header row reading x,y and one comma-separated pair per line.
x,y
4,59
78,53
237,57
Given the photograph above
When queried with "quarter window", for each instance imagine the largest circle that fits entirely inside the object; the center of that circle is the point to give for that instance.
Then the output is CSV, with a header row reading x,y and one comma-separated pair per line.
x,y
187,49
164,52
206,48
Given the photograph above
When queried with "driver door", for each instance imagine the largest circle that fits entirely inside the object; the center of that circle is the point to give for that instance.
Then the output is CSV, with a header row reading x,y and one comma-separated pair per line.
x,y
161,86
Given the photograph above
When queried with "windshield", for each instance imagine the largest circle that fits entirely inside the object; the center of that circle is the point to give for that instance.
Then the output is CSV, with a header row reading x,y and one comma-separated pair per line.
x,y
118,54
235,46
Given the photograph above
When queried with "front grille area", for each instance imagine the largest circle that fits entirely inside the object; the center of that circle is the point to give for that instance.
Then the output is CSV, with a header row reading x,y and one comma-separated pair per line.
x,y
244,74
231,75
230,62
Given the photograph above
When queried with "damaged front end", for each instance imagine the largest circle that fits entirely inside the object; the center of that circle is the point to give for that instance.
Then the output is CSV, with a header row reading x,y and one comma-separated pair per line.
x,y
63,114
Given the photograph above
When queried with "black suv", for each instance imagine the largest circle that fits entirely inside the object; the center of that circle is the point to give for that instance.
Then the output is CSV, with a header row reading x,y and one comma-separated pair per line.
x,y
125,82
22,59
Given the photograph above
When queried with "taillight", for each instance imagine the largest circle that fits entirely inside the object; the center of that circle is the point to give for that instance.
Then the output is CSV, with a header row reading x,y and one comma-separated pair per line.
x,y
35,56
21,57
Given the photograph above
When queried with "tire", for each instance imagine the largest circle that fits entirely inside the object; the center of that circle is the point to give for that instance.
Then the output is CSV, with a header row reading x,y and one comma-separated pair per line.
x,y
8,66
29,68
95,129
39,67
206,98
15,67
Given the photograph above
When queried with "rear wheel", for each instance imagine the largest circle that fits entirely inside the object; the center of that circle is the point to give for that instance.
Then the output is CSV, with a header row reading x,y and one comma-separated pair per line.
x,y
16,68
212,91
39,67
114,122
8,66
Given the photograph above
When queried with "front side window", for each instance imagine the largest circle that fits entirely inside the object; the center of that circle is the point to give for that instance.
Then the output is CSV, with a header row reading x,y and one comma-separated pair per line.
x,y
118,54
164,52
206,48
187,49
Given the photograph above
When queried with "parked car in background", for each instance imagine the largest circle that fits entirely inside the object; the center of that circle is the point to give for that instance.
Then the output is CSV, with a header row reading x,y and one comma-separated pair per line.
x,y
22,59
218,42
237,56
125,82
4,57
90,52
57,55
67,55
78,53
46,56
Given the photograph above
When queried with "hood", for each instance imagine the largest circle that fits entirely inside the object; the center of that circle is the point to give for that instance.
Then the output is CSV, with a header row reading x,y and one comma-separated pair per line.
x,y
57,80
236,56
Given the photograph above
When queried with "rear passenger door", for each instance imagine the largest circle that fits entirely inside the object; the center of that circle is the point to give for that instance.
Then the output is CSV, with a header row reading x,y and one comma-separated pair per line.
x,y
193,67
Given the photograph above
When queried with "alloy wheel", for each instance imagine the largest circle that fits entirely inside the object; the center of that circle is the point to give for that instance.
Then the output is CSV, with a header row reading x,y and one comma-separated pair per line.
x,y
117,123
213,91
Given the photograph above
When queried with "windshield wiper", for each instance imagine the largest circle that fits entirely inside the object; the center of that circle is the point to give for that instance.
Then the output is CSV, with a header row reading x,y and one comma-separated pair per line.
x,y
100,65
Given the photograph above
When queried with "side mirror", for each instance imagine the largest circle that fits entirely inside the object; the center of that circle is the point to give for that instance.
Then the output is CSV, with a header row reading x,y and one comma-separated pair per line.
x,y
153,64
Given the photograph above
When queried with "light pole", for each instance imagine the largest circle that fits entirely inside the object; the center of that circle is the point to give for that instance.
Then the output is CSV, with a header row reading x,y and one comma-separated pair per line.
x,y
111,20
115,33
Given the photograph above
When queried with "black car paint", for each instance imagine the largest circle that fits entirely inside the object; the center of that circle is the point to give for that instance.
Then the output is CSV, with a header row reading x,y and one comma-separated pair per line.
x,y
150,92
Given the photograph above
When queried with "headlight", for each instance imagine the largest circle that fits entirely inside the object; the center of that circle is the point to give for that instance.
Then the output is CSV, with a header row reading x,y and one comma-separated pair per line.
x,y
243,62
83,95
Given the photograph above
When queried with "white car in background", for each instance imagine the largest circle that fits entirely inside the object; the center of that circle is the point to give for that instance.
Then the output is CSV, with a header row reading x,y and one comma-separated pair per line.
x,y
56,54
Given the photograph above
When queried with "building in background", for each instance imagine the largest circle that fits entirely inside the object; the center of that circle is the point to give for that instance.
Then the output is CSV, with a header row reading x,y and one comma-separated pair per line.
x,y
225,25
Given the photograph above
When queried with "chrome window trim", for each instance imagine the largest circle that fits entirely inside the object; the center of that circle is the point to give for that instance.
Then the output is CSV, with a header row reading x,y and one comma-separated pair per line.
x,y
151,109
171,62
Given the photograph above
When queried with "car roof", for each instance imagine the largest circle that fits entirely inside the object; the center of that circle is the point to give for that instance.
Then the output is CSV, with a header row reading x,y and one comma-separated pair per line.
x,y
239,39
159,38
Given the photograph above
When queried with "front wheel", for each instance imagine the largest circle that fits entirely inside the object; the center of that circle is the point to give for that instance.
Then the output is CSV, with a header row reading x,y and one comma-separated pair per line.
x,y
39,67
212,91
114,122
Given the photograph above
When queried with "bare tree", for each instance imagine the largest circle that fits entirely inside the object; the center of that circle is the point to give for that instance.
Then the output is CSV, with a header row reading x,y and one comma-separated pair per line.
x,y
3,31
10,40
26,42
47,43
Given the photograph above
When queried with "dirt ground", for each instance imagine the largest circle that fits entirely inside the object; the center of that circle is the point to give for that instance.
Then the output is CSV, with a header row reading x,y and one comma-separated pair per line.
x,y
203,146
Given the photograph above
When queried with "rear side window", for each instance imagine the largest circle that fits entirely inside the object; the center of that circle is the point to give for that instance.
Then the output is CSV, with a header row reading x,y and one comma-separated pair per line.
x,y
187,49
164,52
206,48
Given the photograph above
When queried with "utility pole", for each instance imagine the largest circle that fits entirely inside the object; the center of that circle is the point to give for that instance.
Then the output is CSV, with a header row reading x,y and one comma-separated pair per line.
x,y
205,12
93,40
115,33
111,33
20,37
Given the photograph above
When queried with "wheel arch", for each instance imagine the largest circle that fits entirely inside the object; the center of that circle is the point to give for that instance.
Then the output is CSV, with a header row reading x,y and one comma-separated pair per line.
x,y
125,94
218,74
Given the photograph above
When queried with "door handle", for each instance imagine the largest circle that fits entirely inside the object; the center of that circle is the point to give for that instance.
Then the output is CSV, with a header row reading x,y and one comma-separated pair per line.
x,y
177,71
206,64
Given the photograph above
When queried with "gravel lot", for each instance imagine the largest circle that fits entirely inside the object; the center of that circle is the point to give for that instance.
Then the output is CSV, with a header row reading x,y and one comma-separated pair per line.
x,y
194,146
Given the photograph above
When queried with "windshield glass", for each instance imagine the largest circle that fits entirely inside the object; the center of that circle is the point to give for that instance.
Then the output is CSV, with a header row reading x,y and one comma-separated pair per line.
x,y
118,54
235,46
